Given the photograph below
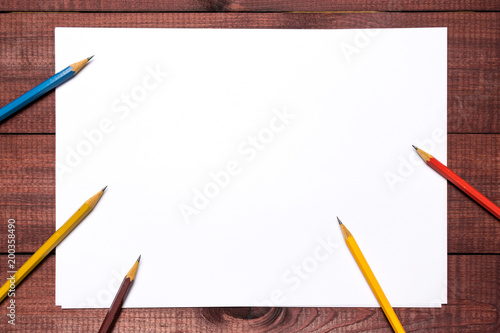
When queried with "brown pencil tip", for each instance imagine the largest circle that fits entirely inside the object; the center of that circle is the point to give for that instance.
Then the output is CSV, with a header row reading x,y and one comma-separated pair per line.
x,y
88,59
139,259
414,147
105,187
340,222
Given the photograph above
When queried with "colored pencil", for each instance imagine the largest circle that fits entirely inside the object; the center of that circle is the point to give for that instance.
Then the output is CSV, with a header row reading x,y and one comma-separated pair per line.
x,y
459,182
42,88
50,244
370,278
116,306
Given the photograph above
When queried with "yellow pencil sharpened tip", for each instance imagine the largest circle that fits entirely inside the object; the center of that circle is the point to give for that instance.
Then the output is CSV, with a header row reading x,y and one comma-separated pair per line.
x,y
139,259
414,147
340,222
105,187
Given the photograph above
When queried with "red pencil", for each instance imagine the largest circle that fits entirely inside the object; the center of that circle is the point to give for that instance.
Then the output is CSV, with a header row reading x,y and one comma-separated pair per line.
x,y
459,182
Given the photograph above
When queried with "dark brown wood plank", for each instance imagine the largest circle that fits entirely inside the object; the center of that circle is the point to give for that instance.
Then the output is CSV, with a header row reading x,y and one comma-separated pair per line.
x,y
247,5
473,306
27,179
27,54
476,158
27,183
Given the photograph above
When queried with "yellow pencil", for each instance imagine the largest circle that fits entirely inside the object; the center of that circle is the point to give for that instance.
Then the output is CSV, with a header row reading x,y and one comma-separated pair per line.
x,y
50,244
370,278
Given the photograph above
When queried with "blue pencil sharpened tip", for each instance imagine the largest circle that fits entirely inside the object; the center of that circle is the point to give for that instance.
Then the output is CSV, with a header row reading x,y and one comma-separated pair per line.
x,y
88,59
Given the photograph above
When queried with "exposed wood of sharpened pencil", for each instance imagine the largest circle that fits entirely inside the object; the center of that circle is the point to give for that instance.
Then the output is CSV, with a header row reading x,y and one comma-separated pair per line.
x,y
444,171
371,279
116,306
50,244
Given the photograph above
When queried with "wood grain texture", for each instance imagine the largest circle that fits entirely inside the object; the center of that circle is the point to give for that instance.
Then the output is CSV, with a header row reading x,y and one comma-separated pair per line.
x,y
481,169
27,175
247,5
27,54
27,161
473,306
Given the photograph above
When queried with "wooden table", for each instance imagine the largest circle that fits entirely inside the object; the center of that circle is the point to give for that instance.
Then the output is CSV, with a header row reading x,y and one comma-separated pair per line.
x,y
27,156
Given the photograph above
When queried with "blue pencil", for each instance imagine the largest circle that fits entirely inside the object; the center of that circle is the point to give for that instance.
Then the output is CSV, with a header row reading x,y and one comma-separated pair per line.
x,y
42,89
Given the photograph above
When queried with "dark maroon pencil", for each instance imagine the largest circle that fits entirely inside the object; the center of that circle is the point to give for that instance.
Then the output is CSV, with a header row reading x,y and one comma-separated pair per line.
x,y
116,307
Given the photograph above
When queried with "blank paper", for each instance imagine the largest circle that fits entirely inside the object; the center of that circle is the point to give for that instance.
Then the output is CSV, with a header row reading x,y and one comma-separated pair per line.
x,y
229,153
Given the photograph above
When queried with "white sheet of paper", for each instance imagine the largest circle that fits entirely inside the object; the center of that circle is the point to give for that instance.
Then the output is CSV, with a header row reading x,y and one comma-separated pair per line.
x,y
228,155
